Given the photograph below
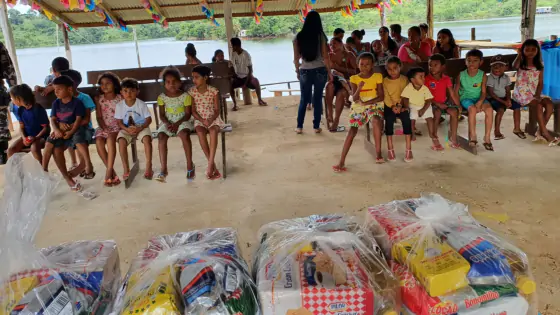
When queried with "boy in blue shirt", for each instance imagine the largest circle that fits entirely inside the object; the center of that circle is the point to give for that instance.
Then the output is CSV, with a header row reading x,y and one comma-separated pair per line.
x,y
33,120
67,113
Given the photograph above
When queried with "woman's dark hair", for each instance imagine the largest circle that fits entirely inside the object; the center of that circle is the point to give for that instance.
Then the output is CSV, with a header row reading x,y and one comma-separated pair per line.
x,y
394,59
416,29
311,37
391,43
219,51
414,71
202,70
190,50
130,83
359,34
446,31
170,71
114,79
537,61
24,92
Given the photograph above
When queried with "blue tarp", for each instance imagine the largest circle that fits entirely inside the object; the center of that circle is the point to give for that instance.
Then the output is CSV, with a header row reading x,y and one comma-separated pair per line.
x,y
551,58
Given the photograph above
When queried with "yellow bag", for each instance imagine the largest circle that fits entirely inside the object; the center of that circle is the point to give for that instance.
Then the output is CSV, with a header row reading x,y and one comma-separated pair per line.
x,y
14,291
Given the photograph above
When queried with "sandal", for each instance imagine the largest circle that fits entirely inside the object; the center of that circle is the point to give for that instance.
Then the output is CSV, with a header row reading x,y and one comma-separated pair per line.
x,y
318,130
234,108
116,181
520,134
339,169
473,143
338,129
436,147
501,137
454,145
149,175
263,103
88,175
379,160
299,131
126,175
538,136
108,183
391,155
488,146
191,174
161,177
554,142
77,187
408,158
215,176
83,174
417,132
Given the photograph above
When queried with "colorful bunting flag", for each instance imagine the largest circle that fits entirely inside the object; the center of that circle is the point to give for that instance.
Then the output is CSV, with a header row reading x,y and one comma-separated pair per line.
x,y
259,11
209,13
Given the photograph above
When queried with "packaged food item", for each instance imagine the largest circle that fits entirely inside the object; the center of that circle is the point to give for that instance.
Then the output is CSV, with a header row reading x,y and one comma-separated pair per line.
x,y
427,235
439,268
322,265
48,281
199,272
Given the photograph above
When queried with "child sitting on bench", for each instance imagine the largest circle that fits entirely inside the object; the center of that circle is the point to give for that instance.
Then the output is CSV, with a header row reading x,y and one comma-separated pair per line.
x,y
471,86
134,120
34,122
66,112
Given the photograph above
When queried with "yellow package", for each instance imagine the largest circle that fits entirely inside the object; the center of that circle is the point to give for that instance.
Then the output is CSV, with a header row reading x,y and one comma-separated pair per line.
x,y
14,291
434,263
158,297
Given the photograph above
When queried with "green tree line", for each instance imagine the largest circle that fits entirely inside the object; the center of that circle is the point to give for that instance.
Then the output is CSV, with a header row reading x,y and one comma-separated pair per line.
x,y
32,29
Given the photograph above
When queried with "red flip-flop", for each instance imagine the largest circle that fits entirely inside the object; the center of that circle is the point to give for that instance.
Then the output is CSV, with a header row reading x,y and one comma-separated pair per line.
x,y
339,169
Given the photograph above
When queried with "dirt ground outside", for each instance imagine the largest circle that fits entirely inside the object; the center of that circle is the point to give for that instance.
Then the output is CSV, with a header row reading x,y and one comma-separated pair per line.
x,y
275,174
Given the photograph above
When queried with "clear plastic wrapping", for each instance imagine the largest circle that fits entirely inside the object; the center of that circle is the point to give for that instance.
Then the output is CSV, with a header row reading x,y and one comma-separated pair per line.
x,y
53,281
322,265
447,262
195,273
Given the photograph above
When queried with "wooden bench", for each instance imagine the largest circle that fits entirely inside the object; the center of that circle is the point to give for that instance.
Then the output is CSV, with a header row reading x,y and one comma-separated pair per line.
x,y
452,69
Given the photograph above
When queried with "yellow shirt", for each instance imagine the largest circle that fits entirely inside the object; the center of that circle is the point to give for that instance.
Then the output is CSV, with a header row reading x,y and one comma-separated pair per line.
x,y
175,105
393,90
369,90
416,98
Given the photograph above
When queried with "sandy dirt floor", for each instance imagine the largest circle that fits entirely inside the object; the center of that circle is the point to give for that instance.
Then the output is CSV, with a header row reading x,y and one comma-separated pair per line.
x,y
275,174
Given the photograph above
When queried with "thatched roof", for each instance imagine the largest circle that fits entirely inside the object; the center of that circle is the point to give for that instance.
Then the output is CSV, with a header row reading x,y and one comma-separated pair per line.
x,y
132,11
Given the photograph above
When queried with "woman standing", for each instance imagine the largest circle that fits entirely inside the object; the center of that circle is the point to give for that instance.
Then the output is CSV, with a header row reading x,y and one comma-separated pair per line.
x,y
310,45
190,53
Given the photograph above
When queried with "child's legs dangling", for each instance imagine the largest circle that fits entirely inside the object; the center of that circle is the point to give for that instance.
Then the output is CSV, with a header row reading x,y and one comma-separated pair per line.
x,y
16,147
214,131
489,119
498,121
548,109
202,132
185,137
347,144
390,118
100,143
453,123
36,150
123,150
147,140
73,159
111,154
377,126
162,146
472,123
407,128
47,154
517,120
61,164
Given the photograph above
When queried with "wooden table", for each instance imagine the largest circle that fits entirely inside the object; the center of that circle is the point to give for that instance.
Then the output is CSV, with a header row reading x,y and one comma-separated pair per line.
x,y
479,44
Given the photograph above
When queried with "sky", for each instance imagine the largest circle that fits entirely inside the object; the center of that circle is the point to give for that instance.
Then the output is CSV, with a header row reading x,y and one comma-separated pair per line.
x,y
22,8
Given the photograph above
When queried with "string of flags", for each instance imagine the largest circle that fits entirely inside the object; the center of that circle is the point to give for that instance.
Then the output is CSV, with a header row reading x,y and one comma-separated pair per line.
x,y
302,14
354,6
259,11
156,16
209,13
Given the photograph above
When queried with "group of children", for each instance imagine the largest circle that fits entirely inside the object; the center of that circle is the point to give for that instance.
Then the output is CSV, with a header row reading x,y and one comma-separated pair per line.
x,y
380,101
121,117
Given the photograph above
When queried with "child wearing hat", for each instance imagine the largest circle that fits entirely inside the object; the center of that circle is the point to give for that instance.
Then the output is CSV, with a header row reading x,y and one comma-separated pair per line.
x,y
499,96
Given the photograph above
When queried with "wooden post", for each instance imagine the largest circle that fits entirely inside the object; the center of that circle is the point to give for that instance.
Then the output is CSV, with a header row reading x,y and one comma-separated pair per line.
x,y
528,12
137,49
229,24
473,33
382,15
430,18
67,46
9,38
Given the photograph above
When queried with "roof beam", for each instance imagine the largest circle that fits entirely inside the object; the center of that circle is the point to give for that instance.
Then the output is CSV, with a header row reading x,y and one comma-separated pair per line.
x,y
47,7
157,8
109,13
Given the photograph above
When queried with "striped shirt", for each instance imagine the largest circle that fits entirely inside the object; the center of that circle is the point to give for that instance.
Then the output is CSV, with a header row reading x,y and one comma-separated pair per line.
x,y
241,63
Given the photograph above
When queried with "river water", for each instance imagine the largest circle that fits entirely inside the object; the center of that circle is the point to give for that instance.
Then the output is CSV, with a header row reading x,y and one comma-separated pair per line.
x,y
272,59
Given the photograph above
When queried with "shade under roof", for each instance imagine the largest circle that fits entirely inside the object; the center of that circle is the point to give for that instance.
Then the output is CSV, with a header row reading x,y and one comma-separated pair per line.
x,y
132,11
